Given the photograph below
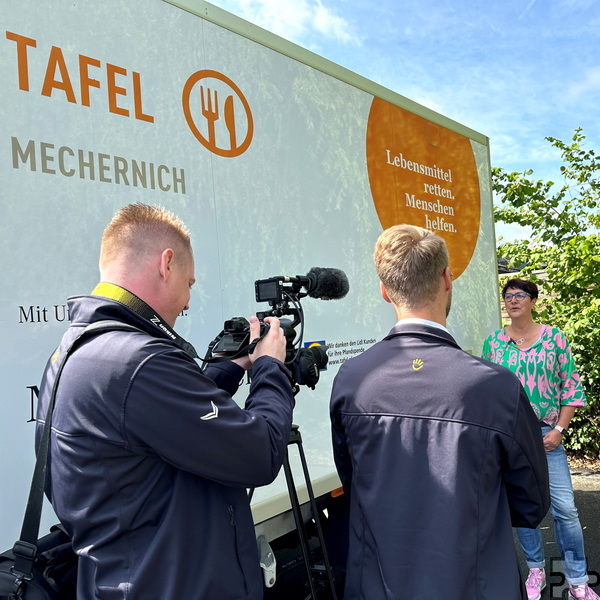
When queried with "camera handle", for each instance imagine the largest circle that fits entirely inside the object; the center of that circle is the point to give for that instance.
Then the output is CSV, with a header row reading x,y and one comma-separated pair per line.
x,y
233,345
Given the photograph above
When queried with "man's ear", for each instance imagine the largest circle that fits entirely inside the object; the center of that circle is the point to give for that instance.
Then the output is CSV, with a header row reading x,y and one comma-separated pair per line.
x,y
448,278
166,263
384,293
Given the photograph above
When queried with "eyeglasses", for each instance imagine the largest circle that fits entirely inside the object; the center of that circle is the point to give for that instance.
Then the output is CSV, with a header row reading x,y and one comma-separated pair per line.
x,y
519,296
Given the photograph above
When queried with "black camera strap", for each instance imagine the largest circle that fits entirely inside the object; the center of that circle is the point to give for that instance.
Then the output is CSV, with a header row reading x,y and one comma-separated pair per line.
x,y
144,310
25,548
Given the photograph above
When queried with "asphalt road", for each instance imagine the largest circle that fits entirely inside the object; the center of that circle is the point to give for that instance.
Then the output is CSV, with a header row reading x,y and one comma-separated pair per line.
x,y
587,500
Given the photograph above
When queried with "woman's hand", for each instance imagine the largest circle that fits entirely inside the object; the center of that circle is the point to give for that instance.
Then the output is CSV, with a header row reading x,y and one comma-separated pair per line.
x,y
552,440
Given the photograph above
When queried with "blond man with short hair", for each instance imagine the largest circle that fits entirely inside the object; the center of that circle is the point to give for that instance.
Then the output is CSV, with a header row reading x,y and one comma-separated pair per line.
x,y
438,451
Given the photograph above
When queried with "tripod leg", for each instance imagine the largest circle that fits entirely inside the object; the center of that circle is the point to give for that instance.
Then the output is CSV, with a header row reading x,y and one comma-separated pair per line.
x,y
299,524
315,512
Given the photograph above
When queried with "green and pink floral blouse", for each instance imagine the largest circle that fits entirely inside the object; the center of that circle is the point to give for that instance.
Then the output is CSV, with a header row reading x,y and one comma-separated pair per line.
x,y
546,370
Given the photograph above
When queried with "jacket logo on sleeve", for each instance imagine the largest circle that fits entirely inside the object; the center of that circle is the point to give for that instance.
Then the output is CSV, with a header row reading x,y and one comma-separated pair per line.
x,y
213,414
417,364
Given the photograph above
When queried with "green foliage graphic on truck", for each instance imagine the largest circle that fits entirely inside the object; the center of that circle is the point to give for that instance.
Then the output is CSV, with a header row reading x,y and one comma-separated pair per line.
x,y
264,150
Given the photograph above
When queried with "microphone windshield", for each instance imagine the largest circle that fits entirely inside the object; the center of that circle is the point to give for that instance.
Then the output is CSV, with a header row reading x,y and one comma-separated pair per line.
x,y
327,284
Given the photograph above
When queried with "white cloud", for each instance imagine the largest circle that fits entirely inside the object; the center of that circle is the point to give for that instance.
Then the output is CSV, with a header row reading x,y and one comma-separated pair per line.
x,y
286,18
589,84
295,20
333,26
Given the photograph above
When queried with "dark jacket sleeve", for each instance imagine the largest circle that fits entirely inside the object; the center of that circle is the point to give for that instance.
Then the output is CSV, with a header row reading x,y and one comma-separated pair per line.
x,y
226,375
175,411
526,469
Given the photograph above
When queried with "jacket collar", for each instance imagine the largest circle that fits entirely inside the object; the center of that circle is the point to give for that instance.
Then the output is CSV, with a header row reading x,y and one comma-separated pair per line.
x,y
413,320
421,330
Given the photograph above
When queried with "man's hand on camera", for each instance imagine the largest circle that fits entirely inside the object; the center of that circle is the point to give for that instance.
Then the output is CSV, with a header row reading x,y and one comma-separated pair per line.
x,y
273,344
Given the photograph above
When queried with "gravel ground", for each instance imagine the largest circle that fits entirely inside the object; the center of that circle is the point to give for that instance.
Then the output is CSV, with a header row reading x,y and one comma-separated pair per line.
x,y
585,473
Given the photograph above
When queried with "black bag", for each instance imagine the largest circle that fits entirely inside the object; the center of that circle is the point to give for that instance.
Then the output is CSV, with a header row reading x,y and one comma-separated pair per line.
x,y
45,568
54,573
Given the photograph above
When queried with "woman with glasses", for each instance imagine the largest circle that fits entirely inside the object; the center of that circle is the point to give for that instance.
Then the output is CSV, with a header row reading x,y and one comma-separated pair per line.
x,y
541,358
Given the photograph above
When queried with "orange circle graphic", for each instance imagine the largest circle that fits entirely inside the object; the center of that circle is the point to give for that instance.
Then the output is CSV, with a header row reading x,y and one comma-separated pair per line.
x,y
209,107
424,174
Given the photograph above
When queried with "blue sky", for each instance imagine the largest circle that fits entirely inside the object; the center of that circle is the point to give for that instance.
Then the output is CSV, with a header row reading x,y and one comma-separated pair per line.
x,y
514,70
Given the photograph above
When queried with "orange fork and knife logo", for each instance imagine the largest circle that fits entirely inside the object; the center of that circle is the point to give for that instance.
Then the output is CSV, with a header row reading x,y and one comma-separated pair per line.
x,y
225,127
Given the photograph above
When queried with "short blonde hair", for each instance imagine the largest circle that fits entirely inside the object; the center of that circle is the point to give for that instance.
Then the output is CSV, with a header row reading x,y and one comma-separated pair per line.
x,y
138,230
409,261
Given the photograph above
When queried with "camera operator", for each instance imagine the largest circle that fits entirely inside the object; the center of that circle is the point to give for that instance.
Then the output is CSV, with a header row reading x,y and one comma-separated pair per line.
x,y
150,458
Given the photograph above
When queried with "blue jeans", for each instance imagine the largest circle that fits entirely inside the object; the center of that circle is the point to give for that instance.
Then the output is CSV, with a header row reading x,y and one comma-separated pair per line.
x,y
569,536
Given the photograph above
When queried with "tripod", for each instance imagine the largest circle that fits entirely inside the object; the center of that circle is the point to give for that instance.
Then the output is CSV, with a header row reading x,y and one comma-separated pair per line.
x,y
316,573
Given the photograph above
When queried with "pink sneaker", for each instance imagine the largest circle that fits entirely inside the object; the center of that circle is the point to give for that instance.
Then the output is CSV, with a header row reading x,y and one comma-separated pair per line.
x,y
536,582
582,592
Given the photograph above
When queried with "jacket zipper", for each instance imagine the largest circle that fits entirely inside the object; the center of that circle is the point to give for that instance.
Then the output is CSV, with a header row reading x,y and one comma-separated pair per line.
x,y
233,523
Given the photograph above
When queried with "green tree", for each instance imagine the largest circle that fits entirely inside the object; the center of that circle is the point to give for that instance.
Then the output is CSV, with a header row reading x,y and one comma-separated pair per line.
x,y
562,254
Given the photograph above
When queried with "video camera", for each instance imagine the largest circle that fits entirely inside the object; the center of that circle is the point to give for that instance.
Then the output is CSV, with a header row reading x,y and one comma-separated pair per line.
x,y
283,295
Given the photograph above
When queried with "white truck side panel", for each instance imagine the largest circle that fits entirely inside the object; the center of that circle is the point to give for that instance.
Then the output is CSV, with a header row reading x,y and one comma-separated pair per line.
x,y
101,106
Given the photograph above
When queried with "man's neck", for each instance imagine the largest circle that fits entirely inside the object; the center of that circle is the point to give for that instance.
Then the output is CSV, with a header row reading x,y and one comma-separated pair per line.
x,y
426,314
419,321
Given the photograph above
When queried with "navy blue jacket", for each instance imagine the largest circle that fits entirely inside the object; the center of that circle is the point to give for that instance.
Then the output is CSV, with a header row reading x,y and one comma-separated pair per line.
x,y
439,452
150,460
